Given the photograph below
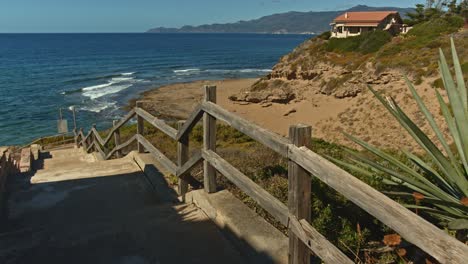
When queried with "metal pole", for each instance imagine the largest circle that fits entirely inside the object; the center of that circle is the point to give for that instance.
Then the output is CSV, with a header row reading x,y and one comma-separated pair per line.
x,y
74,117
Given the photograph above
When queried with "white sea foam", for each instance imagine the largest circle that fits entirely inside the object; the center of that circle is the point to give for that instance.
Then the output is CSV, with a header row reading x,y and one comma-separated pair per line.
x,y
187,70
97,107
254,70
219,71
114,85
109,89
127,73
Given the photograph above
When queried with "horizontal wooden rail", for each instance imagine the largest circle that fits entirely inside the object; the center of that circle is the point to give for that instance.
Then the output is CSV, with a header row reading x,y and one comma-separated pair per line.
x,y
311,237
192,120
272,140
121,123
166,162
158,123
410,226
188,166
121,146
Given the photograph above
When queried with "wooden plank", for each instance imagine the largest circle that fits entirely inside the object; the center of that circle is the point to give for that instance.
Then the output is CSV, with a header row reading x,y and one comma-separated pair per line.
x,y
158,123
85,139
299,191
274,141
192,120
182,158
121,146
316,242
116,133
90,147
119,124
140,127
267,201
97,137
410,226
187,166
209,141
167,163
100,151
311,237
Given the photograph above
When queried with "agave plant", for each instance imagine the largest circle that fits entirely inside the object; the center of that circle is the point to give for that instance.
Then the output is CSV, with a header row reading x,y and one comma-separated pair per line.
x,y
438,182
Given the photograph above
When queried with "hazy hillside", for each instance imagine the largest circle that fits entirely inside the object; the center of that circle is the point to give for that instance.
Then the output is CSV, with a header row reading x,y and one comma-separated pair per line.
x,y
291,22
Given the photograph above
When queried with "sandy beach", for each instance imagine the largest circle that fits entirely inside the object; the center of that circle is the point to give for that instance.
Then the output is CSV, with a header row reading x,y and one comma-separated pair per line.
x,y
362,116
178,100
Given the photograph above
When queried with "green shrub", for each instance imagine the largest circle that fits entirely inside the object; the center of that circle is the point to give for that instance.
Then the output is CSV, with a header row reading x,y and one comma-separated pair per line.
x,y
365,43
325,35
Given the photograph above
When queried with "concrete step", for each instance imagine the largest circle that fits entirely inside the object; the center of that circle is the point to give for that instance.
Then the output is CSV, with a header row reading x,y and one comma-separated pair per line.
x,y
80,210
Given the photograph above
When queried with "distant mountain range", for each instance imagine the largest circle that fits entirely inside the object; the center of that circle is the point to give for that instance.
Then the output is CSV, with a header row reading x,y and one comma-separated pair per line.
x,y
284,23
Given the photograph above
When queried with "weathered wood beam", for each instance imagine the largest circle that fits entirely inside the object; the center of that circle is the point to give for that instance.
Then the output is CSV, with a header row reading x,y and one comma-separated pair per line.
x,y
311,237
416,230
140,127
121,146
209,141
182,158
166,162
274,141
192,120
299,193
158,123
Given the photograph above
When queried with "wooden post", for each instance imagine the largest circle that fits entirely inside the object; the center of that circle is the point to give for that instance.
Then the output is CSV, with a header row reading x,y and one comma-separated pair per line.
x,y
209,141
140,127
299,191
75,137
182,157
93,139
118,153
82,139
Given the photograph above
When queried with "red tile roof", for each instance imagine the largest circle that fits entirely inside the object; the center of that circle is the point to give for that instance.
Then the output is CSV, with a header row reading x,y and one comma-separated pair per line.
x,y
363,17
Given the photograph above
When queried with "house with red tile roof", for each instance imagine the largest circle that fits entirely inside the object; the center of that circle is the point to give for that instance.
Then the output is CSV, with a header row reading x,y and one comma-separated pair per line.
x,y
350,24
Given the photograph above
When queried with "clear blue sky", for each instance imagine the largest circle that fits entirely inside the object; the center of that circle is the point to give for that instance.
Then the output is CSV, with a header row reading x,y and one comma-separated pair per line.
x,y
140,15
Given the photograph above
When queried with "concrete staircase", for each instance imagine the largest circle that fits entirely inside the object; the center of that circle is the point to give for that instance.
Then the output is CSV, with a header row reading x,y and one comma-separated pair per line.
x,y
77,209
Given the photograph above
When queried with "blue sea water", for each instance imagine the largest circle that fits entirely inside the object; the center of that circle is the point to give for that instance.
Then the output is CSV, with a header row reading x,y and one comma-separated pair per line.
x,y
99,73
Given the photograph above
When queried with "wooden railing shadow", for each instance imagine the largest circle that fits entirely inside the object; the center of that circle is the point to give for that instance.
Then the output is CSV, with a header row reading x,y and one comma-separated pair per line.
x,y
303,164
104,219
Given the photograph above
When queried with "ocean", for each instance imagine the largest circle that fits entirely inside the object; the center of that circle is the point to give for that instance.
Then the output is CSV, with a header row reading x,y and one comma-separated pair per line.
x,y
98,73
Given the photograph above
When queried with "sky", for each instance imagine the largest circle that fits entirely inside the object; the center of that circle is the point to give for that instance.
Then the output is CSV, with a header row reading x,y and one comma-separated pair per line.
x,y
42,16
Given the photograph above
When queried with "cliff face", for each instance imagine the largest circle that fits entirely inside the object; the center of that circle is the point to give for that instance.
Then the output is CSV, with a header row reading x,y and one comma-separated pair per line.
x,y
327,88
329,67
310,67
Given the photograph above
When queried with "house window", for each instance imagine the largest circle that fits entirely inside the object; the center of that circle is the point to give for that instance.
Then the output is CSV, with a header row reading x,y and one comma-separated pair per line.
x,y
340,29
354,30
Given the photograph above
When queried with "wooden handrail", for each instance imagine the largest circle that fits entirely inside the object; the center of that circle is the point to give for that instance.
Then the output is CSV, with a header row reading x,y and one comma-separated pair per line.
x,y
121,123
410,226
158,123
325,250
272,140
121,146
188,166
97,136
191,121
166,162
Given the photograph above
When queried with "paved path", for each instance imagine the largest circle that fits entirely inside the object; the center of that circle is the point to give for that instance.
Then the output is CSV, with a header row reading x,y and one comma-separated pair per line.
x,y
76,209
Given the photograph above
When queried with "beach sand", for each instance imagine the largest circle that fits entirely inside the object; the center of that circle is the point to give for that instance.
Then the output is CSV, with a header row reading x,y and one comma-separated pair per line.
x,y
362,116
177,101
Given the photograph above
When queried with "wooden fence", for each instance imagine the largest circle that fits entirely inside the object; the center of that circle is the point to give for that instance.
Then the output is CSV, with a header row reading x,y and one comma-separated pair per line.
x,y
303,164
8,166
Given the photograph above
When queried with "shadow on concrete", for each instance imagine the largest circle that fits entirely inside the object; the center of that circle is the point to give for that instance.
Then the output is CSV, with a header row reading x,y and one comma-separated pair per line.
x,y
128,218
